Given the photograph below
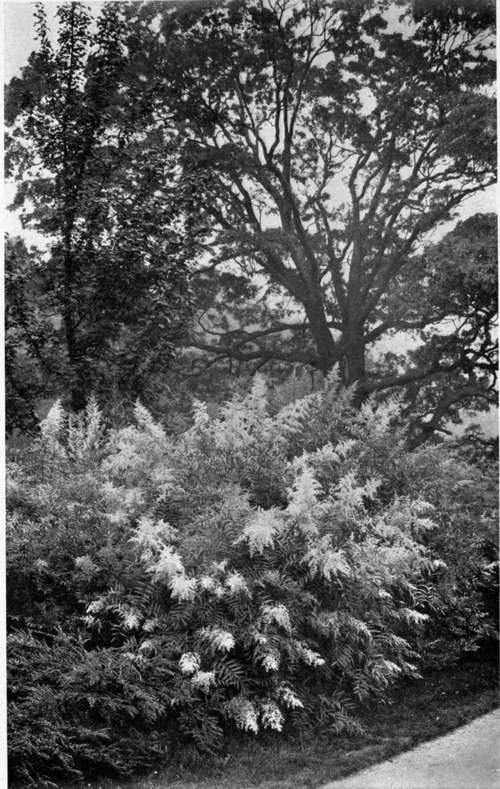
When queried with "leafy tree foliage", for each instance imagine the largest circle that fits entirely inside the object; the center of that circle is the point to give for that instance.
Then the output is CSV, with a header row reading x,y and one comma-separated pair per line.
x,y
337,135
100,178
462,357
454,295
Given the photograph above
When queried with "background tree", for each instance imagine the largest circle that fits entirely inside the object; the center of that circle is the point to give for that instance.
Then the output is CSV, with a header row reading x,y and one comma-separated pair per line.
x,y
337,136
32,352
100,178
460,350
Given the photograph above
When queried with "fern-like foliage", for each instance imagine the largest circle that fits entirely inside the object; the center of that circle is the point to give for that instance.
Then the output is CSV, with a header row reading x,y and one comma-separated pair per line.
x,y
262,570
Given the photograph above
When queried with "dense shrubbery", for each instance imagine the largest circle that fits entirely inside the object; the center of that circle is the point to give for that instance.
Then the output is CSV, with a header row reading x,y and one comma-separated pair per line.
x,y
261,571
72,710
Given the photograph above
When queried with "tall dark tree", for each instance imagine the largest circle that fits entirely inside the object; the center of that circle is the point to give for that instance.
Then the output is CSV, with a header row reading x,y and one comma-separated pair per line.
x,y
99,176
338,135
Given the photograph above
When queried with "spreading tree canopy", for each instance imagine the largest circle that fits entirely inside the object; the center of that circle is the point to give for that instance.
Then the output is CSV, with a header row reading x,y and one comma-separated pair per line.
x,y
298,157
337,137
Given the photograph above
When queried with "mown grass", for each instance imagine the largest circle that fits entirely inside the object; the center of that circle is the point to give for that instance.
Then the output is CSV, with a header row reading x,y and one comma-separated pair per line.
x,y
414,712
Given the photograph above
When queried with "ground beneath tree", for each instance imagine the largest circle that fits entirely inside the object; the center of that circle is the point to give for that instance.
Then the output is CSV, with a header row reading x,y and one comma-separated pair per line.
x,y
468,758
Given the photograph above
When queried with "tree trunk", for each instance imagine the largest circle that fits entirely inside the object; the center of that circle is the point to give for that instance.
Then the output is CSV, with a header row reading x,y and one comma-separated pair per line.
x,y
77,385
353,361
323,340
78,398
353,367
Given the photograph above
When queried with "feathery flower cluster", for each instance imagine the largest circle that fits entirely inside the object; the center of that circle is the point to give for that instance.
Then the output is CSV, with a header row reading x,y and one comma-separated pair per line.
x,y
271,662
95,606
323,560
117,516
219,639
309,657
182,587
167,564
350,495
51,427
379,415
189,662
236,583
152,534
200,414
271,716
243,713
412,616
146,422
344,448
423,507
147,646
278,614
207,583
425,524
261,530
203,680
335,563
289,698
304,493
85,565
130,620
390,667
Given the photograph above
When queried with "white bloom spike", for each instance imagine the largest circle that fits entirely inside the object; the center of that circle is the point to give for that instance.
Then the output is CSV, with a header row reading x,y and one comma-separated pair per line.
x,y
189,662
203,680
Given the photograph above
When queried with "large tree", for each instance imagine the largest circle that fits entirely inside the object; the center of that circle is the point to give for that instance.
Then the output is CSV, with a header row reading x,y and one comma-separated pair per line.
x,y
99,177
337,136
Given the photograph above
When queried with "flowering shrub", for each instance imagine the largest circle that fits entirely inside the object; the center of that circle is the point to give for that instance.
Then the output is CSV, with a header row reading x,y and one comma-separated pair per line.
x,y
258,572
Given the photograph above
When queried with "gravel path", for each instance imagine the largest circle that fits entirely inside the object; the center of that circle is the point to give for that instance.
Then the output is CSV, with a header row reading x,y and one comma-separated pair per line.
x,y
469,758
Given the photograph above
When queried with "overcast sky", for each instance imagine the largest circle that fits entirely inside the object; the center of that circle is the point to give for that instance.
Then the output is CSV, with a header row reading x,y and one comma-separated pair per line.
x,y
18,36
19,32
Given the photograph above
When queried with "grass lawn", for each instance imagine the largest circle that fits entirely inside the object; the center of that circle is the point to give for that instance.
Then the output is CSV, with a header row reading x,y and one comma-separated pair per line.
x,y
416,711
